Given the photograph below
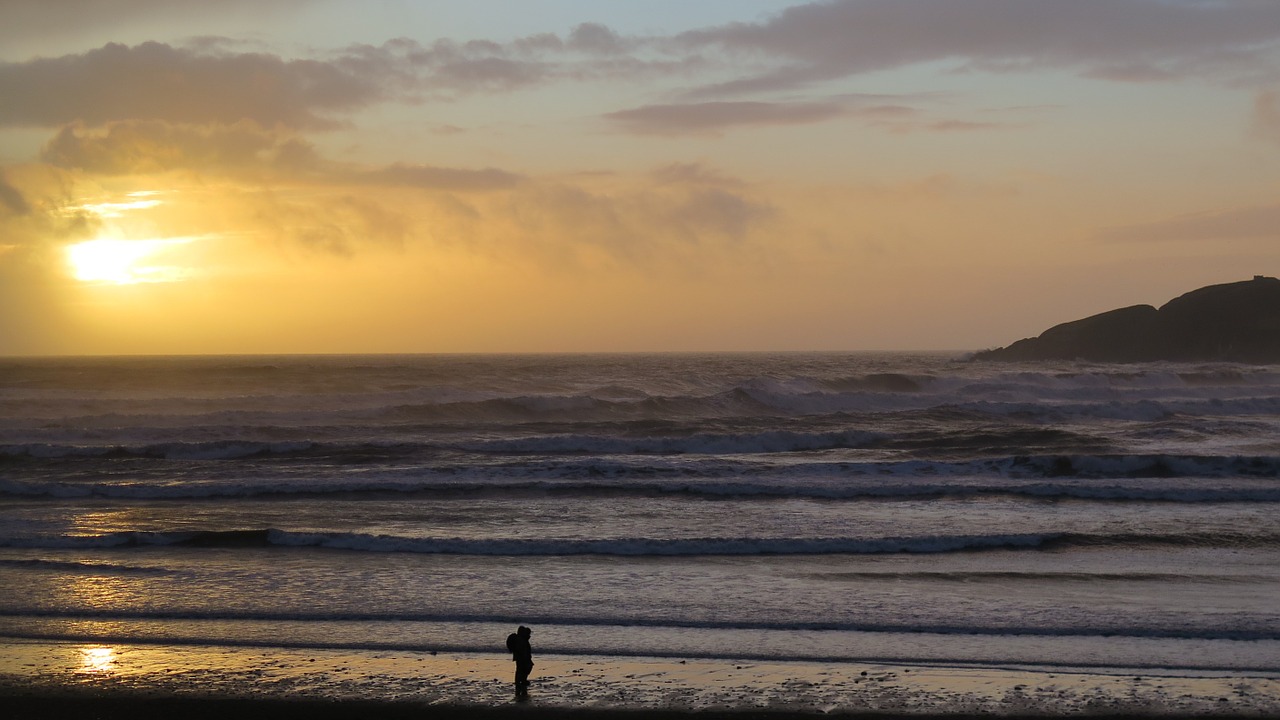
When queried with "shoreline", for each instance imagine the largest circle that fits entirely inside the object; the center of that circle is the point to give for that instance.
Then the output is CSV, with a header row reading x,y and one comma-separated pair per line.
x,y
118,680
124,707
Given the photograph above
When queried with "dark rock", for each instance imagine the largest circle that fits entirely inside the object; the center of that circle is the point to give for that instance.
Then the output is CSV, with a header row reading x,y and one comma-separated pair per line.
x,y
1235,322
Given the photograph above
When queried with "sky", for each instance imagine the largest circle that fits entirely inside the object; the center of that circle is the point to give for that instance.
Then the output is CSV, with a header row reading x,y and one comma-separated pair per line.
x,y
331,176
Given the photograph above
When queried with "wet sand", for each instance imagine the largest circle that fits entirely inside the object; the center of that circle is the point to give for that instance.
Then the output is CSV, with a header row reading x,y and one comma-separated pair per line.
x,y
111,680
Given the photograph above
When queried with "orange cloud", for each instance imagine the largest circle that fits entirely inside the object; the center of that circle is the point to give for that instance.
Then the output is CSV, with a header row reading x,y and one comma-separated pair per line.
x,y
152,146
11,200
438,178
243,149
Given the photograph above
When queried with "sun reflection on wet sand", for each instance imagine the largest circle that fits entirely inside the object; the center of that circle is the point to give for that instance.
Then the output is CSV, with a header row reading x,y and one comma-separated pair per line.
x,y
630,683
97,659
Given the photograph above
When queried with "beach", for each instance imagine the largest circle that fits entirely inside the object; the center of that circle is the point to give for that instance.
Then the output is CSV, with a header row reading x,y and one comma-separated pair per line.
x,y
139,680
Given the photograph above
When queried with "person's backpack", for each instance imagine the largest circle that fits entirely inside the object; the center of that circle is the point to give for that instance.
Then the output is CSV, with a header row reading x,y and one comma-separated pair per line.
x,y
512,640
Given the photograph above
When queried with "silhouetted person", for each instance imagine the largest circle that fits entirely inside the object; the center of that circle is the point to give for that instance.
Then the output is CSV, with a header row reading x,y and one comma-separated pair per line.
x,y
522,653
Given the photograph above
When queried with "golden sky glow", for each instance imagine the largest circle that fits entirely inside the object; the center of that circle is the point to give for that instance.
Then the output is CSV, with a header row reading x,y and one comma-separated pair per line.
x,y
553,175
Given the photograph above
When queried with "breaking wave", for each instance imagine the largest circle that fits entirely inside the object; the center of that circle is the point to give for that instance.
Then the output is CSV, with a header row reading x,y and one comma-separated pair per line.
x,y
632,547
1167,478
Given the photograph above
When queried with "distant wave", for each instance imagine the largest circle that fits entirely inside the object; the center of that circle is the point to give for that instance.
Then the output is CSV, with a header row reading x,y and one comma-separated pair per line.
x,y
210,450
333,399
656,547
1169,478
771,441
944,433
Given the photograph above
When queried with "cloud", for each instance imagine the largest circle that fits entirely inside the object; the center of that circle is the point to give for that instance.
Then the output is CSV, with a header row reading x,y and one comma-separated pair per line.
x,y
713,117
1266,116
137,147
719,212
340,224
209,81
40,211
717,117
682,225
1133,40
242,150
691,219
595,38
438,178
693,174
960,126
448,69
11,200
154,81
488,73
1261,221
25,19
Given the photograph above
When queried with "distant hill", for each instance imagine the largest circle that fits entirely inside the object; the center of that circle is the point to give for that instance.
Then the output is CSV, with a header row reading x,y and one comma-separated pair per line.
x,y
1235,322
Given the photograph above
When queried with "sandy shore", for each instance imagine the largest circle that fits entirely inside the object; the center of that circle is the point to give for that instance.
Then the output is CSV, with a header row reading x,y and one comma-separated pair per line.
x,y
109,680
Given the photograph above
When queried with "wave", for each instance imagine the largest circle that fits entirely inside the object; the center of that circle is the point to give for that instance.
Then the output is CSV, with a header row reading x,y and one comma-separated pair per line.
x,y
1119,478
211,450
481,392
634,547
1006,576
624,439
630,623
84,568
750,443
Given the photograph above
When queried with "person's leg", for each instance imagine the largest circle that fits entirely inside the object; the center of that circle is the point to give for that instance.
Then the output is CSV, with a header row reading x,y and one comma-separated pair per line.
x,y
522,676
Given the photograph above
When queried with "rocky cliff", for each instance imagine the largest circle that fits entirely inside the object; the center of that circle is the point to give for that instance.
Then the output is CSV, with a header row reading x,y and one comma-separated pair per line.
x,y
1235,322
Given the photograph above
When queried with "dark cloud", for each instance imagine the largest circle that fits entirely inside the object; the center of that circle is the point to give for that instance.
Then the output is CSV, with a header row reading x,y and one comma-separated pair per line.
x,y
212,80
154,81
489,73
1116,39
447,68
596,38
713,117
27,19
1240,223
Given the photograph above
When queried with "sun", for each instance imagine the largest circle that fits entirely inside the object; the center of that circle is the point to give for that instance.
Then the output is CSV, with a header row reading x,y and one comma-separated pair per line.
x,y
123,262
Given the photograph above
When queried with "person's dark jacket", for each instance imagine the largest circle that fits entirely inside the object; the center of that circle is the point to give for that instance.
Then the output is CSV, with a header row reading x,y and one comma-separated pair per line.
x,y
520,649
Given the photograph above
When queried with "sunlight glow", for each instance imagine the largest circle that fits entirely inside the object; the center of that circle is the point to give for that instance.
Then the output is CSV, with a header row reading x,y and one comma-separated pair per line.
x,y
117,209
123,262
97,659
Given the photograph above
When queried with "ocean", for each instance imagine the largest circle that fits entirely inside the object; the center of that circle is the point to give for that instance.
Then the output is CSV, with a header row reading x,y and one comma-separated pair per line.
x,y
917,509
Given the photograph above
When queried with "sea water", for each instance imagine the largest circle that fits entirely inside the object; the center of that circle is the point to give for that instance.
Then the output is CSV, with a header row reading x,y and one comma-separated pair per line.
x,y
905,508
